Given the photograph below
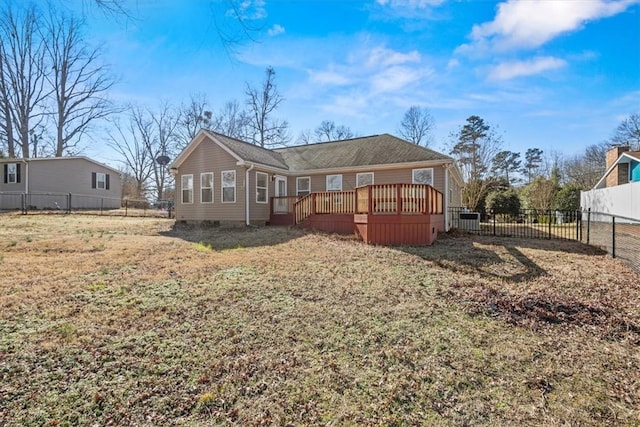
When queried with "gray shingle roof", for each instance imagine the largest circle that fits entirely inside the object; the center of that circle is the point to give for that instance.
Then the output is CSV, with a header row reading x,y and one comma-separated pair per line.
x,y
252,153
366,151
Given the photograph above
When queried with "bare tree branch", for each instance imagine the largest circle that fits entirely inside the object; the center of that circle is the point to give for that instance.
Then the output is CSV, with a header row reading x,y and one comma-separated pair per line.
x,y
416,126
78,81
265,130
23,72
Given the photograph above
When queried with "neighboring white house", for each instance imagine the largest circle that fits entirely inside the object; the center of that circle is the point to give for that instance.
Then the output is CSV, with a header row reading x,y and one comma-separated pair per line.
x,y
618,191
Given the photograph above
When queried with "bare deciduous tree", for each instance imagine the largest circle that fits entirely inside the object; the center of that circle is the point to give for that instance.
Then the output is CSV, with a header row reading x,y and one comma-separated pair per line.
x,y
328,131
416,126
162,142
265,129
628,133
79,82
23,74
194,116
130,142
232,121
586,169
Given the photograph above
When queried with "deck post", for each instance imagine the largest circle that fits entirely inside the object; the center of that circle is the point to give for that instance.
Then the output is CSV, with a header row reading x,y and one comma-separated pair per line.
x,y
370,199
398,199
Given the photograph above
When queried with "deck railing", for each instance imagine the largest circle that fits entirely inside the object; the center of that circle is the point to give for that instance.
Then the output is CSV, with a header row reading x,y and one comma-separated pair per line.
x,y
399,199
325,202
372,199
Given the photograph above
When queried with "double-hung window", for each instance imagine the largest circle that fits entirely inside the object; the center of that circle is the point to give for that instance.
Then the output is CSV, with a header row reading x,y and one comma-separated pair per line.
x,y
100,180
365,178
187,189
228,183
334,182
262,187
11,173
303,185
423,176
206,187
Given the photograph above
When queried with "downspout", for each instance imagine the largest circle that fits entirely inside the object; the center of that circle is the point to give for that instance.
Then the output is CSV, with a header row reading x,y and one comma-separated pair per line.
x,y
446,197
246,192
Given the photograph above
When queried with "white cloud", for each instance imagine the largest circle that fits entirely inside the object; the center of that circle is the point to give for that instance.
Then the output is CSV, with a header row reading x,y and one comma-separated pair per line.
x,y
513,69
381,56
248,10
328,77
275,30
530,24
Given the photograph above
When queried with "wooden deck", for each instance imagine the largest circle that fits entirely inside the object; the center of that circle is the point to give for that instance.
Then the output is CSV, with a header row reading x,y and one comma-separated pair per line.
x,y
387,214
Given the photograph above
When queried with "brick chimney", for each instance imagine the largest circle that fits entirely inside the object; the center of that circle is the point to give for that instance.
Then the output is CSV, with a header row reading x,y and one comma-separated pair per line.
x,y
620,173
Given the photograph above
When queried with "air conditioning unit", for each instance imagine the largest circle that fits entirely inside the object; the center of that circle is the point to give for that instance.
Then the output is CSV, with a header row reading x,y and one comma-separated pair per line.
x,y
469,221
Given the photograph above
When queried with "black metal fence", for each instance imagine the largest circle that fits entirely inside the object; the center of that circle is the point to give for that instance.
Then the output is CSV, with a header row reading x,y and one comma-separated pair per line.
x,y
618,235
52,203
529,223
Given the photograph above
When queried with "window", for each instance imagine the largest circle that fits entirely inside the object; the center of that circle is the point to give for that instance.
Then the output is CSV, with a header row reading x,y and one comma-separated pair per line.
x,y
100,180
303,186
11,173
206,187
423,176
228,186
262,191
334,182
187,189
365,178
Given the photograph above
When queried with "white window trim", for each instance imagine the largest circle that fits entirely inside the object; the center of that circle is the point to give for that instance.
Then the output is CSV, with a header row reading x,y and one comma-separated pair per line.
x,y
203,174
182,189
362,174
103,181
222,186
15,173
298,184
327,183
266,188
413,175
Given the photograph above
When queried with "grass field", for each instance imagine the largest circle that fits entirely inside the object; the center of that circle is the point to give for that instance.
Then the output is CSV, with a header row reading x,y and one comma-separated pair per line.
x,y
123,321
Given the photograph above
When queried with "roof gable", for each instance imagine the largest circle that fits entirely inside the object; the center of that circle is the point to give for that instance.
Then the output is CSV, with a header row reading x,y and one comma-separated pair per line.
x,y
625,157
240,150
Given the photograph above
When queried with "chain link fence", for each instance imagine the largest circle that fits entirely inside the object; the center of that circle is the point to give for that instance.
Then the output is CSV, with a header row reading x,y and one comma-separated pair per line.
x,y
61,203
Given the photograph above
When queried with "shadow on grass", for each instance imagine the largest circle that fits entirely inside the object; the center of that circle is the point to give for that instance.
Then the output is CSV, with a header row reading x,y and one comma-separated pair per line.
x,y
233,237
476,255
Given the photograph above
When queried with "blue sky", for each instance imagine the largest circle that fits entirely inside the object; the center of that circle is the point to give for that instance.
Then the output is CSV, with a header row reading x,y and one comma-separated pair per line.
x,y
558,75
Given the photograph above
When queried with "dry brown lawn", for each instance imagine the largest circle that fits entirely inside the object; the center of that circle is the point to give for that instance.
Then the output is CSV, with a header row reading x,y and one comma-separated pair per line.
x,y
124,321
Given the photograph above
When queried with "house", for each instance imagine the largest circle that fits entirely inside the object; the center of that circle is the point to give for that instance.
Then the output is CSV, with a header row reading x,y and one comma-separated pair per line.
x,y
52,182
618,191
224,180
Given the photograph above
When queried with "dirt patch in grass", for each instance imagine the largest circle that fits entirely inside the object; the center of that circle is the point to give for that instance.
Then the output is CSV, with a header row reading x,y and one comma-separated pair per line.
x,y
120,321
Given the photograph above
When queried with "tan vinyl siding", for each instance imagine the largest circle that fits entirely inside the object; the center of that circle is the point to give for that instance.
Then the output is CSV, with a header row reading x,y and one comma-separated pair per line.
x,y
73,175
386,176
260,212
209,157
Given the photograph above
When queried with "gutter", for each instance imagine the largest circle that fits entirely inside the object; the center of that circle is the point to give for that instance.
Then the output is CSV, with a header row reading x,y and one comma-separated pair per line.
x,y
246,192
